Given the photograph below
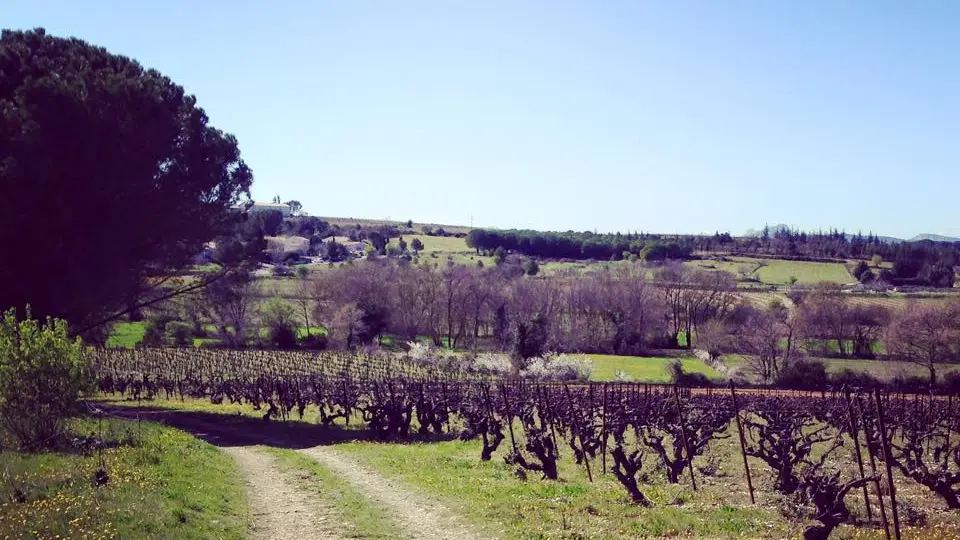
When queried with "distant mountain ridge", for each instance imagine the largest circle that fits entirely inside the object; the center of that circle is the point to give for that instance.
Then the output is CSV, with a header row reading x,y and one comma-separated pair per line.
x,y
889,239
934,238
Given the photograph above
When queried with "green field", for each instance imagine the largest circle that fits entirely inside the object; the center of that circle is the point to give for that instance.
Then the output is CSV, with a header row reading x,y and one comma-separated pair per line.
x,y
644,368
778,271
438,249
162,483
126,334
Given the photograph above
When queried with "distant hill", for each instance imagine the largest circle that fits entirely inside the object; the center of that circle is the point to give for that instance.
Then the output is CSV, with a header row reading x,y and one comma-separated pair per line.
x,y
934,238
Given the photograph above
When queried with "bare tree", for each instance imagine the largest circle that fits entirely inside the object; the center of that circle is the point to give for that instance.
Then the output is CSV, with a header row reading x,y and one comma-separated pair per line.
x,y
674,280
303,300
766,336
230,302
925,333
346,326
825,315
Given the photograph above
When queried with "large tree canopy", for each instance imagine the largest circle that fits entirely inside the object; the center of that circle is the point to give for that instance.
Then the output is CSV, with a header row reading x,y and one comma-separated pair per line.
x,y
109,177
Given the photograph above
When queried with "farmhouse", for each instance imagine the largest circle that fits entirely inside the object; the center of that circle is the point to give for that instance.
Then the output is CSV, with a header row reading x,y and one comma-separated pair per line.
x,y
268,206
277,246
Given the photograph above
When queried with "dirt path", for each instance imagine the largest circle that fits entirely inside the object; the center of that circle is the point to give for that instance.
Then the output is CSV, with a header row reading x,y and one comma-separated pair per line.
x,y
280,509
421,518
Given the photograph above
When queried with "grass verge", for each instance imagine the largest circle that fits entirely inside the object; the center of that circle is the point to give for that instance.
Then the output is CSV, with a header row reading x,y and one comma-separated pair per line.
x,y
489,495
163,483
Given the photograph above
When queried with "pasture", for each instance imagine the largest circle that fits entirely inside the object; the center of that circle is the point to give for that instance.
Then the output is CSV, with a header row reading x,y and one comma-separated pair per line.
x,y
778,271
644,368
126,334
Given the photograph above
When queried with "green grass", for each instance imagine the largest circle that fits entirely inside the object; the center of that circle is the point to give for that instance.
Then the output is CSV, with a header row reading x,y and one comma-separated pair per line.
x,y
487,494
779,271
163,483
360,517
437,250
126,334
644,368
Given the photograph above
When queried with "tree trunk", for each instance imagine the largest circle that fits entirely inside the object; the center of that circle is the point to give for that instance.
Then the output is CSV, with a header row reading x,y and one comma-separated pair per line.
x,y
306,319
949,496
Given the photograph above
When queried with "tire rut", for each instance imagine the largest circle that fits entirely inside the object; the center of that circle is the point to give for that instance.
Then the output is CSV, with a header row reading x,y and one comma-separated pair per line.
x,y
419,517
280,509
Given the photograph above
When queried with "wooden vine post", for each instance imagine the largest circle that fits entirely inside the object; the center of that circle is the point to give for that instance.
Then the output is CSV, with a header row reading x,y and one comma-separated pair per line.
x,y
743,442
885,447
603,432
683,434
873,470
855,433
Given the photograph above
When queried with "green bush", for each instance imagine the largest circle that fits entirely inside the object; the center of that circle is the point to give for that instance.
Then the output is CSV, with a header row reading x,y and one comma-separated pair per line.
x,y
179,333
279,318
155,333
42,375
803,375
682,378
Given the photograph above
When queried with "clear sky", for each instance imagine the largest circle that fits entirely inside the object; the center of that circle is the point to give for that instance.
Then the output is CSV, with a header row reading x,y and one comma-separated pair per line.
x,y
671,116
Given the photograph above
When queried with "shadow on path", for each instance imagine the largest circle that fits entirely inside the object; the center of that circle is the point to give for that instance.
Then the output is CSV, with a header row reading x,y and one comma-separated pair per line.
x,y
237,430
221,429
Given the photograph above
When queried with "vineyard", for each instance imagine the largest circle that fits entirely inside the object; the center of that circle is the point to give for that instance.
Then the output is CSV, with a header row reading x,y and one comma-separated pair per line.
x,y
825,450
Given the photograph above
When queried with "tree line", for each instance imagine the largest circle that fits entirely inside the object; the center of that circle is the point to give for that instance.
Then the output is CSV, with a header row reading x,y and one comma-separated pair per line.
x,y
624,310
924,263
578,245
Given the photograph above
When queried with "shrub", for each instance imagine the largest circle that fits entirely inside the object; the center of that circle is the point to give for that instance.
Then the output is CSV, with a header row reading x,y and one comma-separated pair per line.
x,y
282,336
855,379
803,374
910,383
951,382
493,364
859,270
282,270
179,333
155,333
678,376
563,367
314,342
42,374
422,353
570,367
278,316
531,267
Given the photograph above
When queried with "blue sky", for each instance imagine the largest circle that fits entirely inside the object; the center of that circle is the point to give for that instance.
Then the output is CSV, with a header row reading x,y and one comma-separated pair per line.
x,y
671,116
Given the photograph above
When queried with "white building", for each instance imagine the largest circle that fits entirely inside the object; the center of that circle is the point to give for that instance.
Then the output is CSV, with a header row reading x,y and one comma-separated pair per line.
x,y
267,206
